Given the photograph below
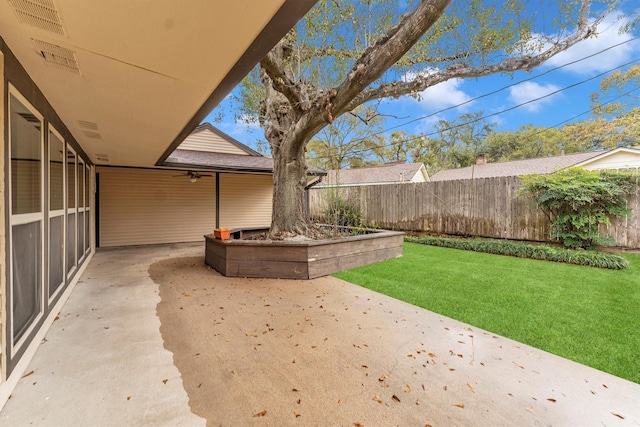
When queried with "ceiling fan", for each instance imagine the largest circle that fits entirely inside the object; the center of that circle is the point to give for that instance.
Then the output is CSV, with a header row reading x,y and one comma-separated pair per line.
x,y
193,175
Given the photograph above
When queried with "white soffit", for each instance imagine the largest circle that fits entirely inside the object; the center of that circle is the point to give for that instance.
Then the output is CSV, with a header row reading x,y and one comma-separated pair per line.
x,y
140,69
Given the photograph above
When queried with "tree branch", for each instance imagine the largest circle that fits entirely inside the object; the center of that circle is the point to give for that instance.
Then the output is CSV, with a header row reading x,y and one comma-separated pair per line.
x,y
584,30
281,79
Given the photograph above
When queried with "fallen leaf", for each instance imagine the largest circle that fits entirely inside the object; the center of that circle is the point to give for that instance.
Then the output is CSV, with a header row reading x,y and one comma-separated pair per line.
x,y
460,405
431,355
529,409
604,385
260,414
128,397
396,398
408,390
296,414
473,390
617,415
377,399
551,400
27,374
294,389
382,378
358,425
165,381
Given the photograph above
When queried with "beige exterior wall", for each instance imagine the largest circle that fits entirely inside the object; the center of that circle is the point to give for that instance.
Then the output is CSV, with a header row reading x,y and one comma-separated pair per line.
x,y
245,200
206,140
619,160
143,206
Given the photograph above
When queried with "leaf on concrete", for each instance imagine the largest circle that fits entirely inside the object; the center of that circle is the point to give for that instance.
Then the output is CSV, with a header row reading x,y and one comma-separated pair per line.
x,y
473,390
459,405
396,398
260,414
617,415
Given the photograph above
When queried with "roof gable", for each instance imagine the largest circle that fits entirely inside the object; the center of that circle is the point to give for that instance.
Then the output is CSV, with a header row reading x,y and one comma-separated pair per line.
x,y
619,158
207,138
385,174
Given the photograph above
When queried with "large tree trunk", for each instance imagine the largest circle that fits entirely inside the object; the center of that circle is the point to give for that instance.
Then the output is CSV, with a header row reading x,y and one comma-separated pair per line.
x,y
289,182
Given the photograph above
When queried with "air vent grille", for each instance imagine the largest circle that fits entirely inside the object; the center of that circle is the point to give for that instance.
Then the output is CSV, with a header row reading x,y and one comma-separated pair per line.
x,y
38,13
88,125
94,135
58,56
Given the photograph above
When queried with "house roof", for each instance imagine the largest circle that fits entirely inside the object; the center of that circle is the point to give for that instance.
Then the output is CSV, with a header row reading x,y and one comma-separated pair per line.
x,y
540,166
384,174
132,79
250,161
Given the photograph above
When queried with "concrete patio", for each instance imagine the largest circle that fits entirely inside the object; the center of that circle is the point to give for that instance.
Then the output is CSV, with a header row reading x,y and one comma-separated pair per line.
x,y
152,336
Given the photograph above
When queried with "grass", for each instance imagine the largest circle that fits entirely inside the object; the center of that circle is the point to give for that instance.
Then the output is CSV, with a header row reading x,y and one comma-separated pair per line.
x,y
585,314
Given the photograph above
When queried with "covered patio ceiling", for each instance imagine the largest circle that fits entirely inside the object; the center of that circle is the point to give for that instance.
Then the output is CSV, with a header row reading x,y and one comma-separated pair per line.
x,y
131,79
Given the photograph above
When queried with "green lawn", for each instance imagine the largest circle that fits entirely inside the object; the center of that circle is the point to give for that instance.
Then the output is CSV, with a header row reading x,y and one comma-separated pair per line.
x,y
585,314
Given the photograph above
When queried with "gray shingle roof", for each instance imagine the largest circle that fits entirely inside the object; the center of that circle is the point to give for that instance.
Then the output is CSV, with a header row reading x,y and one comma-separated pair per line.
x,y
224,162
373,174
540,166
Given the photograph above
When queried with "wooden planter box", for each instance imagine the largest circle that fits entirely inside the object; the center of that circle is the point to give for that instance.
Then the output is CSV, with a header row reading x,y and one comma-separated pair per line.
x,y
300,259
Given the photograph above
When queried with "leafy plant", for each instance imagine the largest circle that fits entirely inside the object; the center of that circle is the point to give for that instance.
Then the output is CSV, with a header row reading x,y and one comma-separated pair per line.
x,y
540,252
342,212
577,201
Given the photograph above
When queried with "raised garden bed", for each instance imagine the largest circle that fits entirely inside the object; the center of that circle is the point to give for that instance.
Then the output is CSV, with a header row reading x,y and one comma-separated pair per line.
x,y
300,259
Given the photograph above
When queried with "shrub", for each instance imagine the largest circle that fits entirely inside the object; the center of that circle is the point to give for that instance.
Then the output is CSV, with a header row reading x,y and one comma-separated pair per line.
x,y
545,253
577,201
342,212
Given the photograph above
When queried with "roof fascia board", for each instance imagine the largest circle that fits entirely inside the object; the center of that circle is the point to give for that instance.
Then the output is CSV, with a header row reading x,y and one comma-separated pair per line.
x,y
285,19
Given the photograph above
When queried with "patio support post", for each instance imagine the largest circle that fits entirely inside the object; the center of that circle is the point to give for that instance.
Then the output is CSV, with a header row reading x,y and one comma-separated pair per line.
x,y
217,199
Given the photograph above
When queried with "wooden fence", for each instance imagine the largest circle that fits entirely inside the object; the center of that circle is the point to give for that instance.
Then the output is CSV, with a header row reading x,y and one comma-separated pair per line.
x,y
481,207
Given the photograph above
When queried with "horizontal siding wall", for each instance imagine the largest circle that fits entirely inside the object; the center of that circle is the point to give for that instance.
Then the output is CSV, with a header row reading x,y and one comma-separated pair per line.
x,y
481,207
245,200
208,141
139,207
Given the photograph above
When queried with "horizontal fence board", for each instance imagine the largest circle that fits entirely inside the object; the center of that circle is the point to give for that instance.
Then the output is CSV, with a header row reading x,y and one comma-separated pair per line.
x,y
486,207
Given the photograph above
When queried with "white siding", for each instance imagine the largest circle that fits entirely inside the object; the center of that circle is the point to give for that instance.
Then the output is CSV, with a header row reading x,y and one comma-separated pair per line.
x,y
245,200
619,160
139,206
205,140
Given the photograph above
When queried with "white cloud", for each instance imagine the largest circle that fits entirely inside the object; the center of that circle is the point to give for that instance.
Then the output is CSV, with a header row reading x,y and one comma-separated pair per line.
x,y
442,95
607,36
528,91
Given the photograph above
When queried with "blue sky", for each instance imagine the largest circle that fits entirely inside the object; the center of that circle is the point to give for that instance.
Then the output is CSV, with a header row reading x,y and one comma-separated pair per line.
x,y
549,111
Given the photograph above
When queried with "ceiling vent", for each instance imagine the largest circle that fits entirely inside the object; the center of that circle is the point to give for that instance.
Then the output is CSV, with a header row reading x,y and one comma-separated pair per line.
x,y
85,124
93,135
38,13
57,56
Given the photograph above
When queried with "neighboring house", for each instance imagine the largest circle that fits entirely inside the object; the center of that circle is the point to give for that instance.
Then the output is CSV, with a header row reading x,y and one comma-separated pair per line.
x,y
115,88
617,158
390,173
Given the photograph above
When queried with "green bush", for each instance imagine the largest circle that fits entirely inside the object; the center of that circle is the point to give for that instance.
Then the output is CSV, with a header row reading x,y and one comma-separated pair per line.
x,y
545,253
577,201
342,212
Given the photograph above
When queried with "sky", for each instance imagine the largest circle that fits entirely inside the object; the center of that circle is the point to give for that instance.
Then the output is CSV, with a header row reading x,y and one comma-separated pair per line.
x,y
548,96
